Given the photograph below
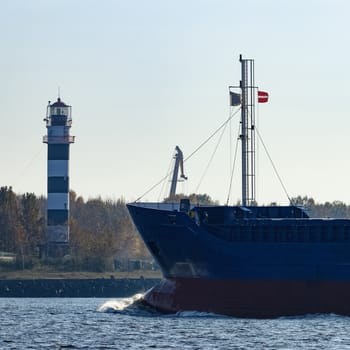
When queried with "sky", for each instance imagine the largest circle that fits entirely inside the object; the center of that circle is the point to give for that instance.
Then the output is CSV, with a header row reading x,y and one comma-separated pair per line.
x,y
144,76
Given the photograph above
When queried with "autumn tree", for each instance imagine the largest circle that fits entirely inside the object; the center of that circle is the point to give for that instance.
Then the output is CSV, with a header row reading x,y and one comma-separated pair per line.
x,y
11,230
101,230
33,222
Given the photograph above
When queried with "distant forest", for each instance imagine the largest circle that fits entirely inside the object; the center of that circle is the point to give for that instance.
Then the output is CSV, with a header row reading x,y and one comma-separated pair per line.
x,y
335,209
101,231
102,235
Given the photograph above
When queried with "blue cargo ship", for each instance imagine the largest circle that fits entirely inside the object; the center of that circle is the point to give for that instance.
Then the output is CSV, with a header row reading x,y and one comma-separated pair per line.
x,y
248,260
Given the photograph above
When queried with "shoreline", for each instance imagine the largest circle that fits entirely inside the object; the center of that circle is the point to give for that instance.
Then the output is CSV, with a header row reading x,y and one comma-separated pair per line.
x,y
47,274
75,288
77,284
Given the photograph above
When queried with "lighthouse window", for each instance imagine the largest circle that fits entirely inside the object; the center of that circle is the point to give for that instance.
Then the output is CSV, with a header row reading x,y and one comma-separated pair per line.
x,y
58,110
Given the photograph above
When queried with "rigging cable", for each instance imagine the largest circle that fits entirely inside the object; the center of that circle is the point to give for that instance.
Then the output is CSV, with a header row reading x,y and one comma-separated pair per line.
x,y
233,169
273,166
212,135
153,187
26,167
211,158
195,151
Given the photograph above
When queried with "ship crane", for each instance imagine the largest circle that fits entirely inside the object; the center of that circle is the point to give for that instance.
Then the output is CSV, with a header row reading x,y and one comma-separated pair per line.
x,y
179,163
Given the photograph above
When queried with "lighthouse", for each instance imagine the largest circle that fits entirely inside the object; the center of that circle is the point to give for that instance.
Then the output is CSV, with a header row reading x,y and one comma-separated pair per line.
x,y
58,123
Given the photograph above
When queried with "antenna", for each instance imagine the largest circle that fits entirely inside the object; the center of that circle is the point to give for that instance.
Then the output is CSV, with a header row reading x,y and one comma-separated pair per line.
x,y
58,92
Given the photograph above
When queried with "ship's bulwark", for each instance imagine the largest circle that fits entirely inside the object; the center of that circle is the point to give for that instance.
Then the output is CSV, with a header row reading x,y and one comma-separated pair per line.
x,y
257,262
251,299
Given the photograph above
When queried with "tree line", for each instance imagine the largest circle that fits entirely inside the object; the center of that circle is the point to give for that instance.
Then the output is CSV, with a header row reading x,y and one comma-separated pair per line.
x,y
335,209
101,231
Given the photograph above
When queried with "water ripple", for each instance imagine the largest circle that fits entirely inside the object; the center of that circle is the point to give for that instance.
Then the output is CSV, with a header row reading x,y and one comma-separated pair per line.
x,y
123,324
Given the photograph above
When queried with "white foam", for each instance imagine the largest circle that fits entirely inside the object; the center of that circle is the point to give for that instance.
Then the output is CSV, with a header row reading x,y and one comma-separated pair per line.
x,y
119,304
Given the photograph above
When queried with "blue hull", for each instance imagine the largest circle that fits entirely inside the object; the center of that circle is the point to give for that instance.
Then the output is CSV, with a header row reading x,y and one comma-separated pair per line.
x,y
255,252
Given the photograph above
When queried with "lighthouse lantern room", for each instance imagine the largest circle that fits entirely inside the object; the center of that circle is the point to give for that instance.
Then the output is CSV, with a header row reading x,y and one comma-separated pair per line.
x,y
58,123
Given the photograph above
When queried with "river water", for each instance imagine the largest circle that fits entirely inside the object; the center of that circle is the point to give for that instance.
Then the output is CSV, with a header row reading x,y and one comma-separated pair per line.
x,y
93,323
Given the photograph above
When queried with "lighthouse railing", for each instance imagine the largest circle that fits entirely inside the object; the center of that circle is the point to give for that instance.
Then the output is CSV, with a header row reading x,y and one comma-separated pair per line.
x,y
58,139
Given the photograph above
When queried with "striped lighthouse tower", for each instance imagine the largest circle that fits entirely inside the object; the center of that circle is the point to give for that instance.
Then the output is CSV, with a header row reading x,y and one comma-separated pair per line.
x,y
58,122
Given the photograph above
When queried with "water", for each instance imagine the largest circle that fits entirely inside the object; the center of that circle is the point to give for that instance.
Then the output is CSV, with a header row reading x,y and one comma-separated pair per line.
x,y
92,323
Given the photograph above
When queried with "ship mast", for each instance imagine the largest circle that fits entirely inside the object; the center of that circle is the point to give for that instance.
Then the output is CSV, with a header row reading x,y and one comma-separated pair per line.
x,y
247,131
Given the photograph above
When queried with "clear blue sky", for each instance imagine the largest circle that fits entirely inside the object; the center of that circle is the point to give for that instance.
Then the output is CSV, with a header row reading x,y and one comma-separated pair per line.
x,y
145,76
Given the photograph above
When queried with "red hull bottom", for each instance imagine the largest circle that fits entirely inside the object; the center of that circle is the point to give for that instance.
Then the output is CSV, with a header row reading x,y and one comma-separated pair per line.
x,y
252,299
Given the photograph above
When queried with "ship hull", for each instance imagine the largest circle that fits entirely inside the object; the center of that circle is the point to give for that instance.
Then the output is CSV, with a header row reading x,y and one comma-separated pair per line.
x,y
254,266
250,299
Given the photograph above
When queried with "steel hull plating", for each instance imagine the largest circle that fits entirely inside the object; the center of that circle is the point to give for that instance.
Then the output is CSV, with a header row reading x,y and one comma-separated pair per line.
x,y
214,261
251,299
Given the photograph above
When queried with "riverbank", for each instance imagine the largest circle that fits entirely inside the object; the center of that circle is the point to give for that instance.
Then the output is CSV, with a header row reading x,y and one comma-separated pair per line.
x,y
36,284
52,274
75,288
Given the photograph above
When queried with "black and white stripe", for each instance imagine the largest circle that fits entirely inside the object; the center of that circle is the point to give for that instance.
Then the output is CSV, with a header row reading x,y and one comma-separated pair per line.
x,y
58,123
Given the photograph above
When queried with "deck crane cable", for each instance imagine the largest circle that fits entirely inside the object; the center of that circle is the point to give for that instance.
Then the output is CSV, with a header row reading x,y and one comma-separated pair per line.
x,y
195,151
273,166
169,171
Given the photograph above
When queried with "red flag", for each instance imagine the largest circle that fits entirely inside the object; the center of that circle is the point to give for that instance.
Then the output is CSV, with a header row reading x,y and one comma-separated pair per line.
x,y
263,96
